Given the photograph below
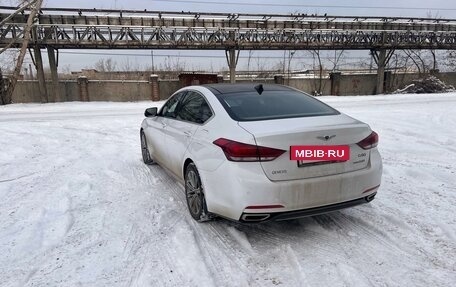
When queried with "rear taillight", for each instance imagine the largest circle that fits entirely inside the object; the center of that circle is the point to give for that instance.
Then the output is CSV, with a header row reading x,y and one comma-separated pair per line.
x,y
236,151
370,142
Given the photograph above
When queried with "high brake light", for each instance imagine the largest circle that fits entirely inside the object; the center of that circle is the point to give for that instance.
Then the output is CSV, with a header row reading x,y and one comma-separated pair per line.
x,y
236,151
370,142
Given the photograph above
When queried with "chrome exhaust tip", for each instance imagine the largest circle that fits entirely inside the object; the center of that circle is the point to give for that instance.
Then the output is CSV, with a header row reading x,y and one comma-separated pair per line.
x,y
371,197
256,217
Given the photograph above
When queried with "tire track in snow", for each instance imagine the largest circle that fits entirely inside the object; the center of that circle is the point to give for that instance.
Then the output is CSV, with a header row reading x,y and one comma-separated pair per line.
x,y
209,237
173,236
348,228
150,253
369,238
212,235
17,178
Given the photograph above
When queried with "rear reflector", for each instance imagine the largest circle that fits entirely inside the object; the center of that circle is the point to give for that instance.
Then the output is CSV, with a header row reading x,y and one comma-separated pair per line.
x,y
264,206
236,151
371,189
370,142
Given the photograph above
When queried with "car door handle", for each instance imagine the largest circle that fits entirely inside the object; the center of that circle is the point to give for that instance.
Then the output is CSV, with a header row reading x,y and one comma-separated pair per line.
x,y
163,125
188,133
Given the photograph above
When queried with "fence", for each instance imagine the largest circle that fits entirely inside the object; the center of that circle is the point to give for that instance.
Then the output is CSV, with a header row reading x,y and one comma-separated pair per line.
x,y
86,89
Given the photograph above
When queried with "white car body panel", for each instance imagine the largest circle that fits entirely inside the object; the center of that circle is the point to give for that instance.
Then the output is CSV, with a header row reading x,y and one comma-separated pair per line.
x,y
230,187
304,131
178,136
250,187
153,129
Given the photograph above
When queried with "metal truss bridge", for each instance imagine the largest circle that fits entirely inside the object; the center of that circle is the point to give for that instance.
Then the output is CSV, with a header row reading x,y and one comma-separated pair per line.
x,y
35,27
133,29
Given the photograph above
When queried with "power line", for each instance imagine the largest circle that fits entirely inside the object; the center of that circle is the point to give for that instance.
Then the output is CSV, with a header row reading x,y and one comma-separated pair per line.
x,y
307,5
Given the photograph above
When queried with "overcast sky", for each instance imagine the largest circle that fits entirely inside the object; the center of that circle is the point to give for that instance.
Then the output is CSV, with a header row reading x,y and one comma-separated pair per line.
x,y
414,8
417,8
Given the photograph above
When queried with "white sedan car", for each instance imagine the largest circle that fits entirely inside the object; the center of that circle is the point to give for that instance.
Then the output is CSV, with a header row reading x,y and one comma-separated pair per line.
x,y
256,152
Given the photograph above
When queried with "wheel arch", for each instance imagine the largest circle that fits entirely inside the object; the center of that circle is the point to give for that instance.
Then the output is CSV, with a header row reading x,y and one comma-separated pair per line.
x,y
186,163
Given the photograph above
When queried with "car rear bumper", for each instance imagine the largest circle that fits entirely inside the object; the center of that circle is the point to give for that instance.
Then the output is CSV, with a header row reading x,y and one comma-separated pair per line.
x,y
235,189
287,215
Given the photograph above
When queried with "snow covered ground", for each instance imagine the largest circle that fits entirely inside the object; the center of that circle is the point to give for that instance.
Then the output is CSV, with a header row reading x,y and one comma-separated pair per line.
x,y
79,208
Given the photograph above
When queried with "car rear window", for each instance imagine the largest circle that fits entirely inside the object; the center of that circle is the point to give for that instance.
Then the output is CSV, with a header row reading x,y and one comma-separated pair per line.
x,y
251,106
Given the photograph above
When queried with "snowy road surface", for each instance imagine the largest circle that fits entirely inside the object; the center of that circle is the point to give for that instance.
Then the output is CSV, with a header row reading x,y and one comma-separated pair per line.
x,y
79,208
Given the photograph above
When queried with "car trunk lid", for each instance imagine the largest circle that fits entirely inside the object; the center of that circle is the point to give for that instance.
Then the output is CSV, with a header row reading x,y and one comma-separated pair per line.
x,y
284,133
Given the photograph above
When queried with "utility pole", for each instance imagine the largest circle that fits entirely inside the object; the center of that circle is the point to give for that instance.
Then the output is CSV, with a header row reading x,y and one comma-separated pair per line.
x,y
152,59
36,6
248,63
290,56
31,71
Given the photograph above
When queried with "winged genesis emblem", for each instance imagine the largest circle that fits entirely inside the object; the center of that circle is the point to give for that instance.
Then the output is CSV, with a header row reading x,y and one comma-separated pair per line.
x,y
326,138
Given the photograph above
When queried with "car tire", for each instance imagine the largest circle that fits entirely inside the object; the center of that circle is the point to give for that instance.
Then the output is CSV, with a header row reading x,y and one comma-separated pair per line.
x,y
147,159
194,193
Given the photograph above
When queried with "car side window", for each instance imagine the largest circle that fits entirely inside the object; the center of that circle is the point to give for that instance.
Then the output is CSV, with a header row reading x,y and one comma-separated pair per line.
x,y
170,107
194,108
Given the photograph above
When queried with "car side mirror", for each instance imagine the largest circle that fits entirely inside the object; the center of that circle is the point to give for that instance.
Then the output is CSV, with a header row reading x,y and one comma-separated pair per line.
x,y
150,112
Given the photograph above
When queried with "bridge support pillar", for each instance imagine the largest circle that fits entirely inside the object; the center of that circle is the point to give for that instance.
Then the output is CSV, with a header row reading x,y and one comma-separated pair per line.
x,y
38,61
381,64
381,58
53,64
232,56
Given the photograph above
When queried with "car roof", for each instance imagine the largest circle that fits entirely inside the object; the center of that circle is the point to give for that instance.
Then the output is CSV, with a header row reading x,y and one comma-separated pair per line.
x,y
243,87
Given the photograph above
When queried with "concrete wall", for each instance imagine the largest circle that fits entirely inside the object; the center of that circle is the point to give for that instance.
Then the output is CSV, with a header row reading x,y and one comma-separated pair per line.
x,y
168,87
119,91
448,78
309,85
358,85
27,91
399,81
108,90
256,80
139,90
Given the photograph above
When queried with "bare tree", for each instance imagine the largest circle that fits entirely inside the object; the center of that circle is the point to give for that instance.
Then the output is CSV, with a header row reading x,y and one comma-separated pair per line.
x,y
425,61
400,61
338,57
451,60
129,66
436,16
420,61
261,65
66,69
105,65
8,60
173,66
317,63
